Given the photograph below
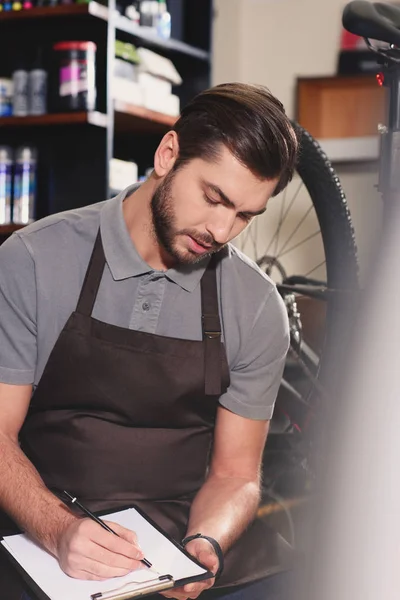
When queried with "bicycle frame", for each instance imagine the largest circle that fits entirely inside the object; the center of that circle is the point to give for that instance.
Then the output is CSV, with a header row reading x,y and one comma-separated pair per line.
x,y
389,173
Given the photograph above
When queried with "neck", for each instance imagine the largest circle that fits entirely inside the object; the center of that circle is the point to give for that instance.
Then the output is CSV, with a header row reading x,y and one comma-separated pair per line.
x,y
137,213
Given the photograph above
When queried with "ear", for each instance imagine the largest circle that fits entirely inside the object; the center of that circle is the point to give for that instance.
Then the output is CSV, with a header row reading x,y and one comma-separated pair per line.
x,y
166,154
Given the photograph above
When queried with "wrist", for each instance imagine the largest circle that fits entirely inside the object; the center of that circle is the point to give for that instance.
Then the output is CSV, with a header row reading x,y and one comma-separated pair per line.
x,y
215,545
55,534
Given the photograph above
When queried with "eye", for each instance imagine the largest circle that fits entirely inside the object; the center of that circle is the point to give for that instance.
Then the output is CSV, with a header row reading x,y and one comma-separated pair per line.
x,y
245,217
210,200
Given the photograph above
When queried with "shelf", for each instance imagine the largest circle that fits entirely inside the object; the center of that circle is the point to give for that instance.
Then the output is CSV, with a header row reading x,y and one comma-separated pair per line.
x,y
128,117
124,24
9,229
72,118
357,149
92,8
138,119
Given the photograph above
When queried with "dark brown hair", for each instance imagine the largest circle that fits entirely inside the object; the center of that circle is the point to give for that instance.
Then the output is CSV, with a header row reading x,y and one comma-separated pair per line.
x,y
249,121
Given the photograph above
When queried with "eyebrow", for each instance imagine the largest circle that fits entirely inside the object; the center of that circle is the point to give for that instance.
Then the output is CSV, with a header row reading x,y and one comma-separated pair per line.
x,y
228,202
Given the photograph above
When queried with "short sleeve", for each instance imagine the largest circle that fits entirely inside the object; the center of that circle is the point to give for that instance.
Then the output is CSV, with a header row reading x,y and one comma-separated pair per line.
x,y
257,372
18,348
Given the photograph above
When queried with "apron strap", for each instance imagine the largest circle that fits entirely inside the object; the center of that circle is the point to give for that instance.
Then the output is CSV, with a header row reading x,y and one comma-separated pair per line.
x,y
211,329
209,303
92,279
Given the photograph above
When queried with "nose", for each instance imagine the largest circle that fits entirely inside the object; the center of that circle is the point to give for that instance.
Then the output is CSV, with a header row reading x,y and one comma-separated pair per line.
x,y
221,227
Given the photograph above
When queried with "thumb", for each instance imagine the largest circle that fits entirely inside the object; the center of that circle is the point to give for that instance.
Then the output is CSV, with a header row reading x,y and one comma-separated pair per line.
x,y
209,559
127,534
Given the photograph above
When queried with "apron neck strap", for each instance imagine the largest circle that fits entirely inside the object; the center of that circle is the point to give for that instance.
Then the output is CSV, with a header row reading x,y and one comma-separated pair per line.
x,y
92,279
209,307
211,329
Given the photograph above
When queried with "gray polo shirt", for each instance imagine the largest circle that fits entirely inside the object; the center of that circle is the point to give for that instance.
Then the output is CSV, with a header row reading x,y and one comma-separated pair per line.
x,y
41,274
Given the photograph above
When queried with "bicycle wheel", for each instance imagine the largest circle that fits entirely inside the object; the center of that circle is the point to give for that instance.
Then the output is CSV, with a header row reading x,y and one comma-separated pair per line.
x,y
305,242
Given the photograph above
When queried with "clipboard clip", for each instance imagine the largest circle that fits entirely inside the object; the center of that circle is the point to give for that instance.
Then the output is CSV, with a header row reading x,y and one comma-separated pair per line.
x,y
135,589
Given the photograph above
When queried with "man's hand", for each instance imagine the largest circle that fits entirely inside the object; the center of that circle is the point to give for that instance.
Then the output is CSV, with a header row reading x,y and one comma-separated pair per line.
x,y
203,551
87,551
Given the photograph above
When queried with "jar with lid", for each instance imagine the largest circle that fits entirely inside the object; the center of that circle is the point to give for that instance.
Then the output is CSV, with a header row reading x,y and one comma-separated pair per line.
x,y
74,83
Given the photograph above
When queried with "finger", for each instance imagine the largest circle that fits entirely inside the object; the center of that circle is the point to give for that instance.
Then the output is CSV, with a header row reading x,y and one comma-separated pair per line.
x,y
111,542
112,559
126,534
97,571
174,595
194,590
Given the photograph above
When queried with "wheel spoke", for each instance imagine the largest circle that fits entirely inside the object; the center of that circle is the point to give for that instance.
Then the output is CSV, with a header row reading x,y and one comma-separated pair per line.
x,y
282,218
299,224
307,239
255,237
321,264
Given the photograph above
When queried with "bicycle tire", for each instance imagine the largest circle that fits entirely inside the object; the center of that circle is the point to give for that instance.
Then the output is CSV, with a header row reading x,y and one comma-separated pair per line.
x,y
338,237
332,211
284,469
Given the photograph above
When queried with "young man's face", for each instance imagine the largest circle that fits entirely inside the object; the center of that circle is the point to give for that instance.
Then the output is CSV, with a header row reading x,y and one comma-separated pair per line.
x,y
202,206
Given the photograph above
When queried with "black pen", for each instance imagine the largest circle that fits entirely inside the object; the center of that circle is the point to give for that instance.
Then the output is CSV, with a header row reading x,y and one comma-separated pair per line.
x,y
89,514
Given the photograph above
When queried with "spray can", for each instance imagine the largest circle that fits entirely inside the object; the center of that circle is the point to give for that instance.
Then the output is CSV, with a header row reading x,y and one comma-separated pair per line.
x,y
20,95
25,184
6,164
37,88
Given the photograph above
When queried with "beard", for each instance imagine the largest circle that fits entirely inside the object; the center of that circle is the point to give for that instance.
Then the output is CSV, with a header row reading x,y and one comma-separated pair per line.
x,y
166,233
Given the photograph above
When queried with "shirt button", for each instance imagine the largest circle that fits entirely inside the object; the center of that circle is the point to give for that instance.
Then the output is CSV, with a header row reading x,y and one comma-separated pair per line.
x,y
146,306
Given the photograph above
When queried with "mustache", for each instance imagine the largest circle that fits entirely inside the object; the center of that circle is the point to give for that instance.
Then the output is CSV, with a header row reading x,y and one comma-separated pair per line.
x,y
204,239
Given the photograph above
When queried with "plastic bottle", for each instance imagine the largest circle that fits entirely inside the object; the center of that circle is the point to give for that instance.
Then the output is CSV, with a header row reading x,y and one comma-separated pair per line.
x,y
133,13
20,93
6,164
25,184
163,22
148,13
6,97
37,88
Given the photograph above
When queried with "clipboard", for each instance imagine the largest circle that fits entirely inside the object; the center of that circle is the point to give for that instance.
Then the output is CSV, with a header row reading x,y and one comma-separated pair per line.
x,y
116,588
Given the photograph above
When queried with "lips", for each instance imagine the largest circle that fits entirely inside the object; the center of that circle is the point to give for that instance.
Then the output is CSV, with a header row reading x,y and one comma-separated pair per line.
x,y
206,246
198,247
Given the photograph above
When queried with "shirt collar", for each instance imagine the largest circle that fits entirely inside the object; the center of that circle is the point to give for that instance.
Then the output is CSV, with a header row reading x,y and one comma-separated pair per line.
x,y
123,259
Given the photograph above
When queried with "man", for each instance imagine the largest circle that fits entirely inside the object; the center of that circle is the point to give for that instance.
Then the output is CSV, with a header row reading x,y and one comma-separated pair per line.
x,y
154,351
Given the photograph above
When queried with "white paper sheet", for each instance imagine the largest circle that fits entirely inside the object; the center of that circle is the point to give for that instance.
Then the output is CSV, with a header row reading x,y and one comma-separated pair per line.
x,y
166,558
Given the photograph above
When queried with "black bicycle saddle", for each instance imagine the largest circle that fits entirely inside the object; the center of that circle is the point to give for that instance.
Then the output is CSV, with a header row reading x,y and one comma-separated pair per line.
x,y
376,21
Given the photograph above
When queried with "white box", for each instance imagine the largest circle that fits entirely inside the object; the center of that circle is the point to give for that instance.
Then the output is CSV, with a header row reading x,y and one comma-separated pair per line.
x,y
168,105
127,91
122,174
151,82
157,65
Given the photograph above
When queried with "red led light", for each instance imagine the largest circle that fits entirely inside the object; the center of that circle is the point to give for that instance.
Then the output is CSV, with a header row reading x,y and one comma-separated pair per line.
x,y
380,79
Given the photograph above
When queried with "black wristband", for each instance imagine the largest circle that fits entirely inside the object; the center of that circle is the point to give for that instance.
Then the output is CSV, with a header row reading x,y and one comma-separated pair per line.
x,y
214,544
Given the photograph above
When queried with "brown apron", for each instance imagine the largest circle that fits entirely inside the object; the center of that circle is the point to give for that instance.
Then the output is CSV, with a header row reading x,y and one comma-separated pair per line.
x,y
127,417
